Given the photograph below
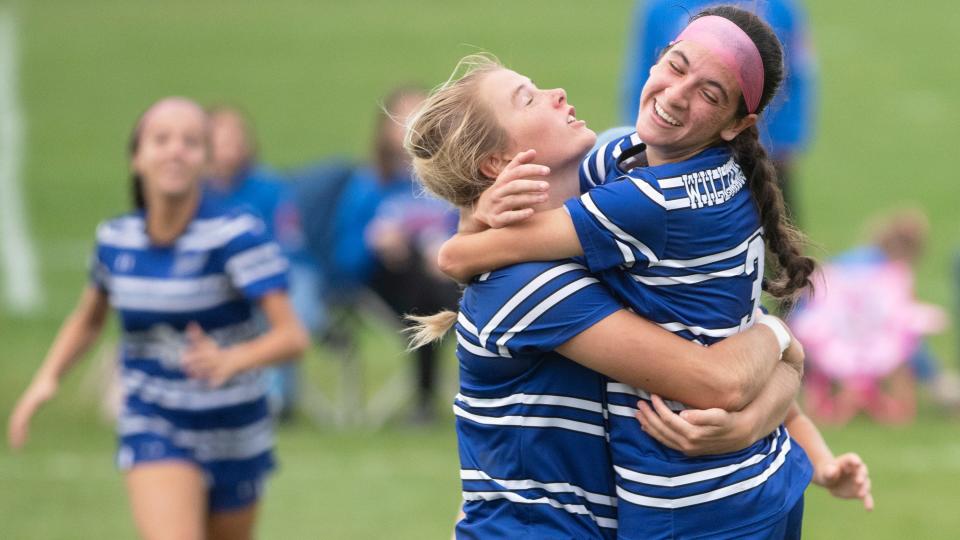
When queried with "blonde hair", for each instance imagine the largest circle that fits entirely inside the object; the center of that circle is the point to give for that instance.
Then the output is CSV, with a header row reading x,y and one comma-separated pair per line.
x,y
453,132
448,138
425,329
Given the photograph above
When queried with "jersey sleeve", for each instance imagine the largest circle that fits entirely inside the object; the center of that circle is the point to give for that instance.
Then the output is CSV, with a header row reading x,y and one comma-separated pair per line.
x,y
579,304
254,262
98,271
550,309
622,223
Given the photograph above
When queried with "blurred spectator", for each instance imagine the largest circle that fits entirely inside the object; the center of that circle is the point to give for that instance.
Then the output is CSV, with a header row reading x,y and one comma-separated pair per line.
x,y
235,178
787,124
386,236
863,329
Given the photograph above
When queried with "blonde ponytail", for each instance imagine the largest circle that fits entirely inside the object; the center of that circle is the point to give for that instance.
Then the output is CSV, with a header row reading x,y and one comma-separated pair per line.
x,y
426,329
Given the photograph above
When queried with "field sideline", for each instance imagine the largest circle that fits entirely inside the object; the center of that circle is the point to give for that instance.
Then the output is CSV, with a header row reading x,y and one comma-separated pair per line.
x,y
311,74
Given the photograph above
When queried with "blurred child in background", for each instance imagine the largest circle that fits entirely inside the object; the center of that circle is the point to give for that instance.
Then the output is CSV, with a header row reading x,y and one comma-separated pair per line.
x,y
864,330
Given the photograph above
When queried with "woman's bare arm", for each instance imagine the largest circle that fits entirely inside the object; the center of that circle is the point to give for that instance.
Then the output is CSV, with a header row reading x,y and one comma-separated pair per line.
x,y
845,476
285,340
546,236
78,332
634,351
697,432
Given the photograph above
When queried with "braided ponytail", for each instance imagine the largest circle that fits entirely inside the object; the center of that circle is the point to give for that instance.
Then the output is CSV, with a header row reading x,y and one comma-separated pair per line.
x,y
791,270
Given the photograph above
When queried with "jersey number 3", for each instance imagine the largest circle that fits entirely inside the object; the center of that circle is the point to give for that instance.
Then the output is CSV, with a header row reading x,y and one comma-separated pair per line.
x,y
754,265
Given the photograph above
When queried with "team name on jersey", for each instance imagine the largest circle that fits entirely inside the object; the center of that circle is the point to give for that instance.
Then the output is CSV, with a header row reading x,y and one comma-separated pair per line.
x,y
709,187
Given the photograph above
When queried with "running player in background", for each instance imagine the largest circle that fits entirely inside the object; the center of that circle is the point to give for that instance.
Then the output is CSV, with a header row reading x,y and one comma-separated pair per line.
x,y
680,240
530,422
183,274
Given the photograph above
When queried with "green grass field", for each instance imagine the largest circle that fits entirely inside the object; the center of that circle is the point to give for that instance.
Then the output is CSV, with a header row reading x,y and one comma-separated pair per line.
x,y
311,74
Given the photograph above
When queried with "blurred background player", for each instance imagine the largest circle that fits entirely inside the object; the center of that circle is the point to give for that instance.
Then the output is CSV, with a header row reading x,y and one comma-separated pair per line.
x,y
184,274
235,178
788,123
387,236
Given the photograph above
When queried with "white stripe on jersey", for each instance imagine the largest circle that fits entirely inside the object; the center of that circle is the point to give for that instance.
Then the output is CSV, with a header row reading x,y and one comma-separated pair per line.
x,y
540,309
586,172
522,295
129,232
720,493
699,476
649,191
192,394
162,343
210,444
617,150
601,163
470,496
617,231
532,422
699,330
531,399
125,232
474,349
170,295
709,259
620,388
255,264
467,325
626,252
689,279
214,237
553,487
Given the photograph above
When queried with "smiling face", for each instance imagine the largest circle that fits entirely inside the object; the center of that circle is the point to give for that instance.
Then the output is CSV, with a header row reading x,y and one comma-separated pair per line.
x,y
172,148
688,104
539,119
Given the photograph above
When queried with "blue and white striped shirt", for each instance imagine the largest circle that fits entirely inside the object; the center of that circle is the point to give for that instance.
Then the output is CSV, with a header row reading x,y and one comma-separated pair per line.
x,y
682,245
530,423
211,275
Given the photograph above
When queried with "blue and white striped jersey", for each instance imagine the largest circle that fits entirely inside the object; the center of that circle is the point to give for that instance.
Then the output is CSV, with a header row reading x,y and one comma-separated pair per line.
x,y
534,460
682,245
212,274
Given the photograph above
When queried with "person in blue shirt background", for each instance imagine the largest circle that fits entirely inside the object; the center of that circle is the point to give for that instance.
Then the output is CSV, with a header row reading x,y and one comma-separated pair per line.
x,y
789,121
386,236
234,178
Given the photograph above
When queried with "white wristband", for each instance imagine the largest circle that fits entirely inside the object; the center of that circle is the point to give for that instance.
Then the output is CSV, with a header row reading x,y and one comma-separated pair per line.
x,y
779,330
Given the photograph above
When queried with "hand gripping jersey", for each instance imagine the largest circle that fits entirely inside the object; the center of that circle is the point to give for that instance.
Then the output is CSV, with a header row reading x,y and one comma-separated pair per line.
x,y
681,244
211,275
534,460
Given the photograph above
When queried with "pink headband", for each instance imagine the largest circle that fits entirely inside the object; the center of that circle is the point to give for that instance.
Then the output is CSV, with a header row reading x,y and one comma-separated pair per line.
x,y
728,42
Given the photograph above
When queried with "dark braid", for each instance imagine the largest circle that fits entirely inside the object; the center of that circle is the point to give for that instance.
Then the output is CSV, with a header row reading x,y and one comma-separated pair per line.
x,y
791,270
